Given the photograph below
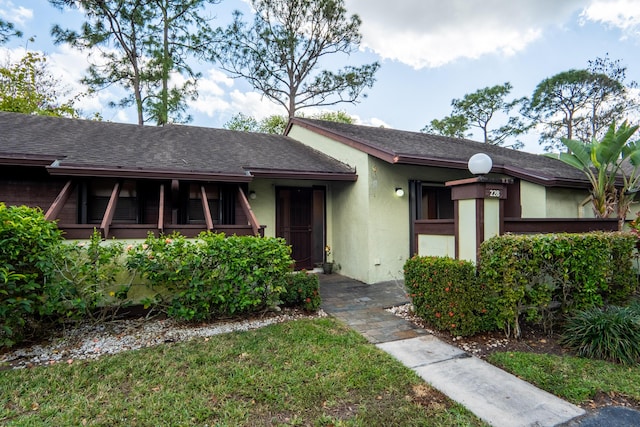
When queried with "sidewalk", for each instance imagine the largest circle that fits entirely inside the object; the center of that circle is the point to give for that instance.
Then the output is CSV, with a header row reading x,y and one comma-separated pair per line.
x,y
495,396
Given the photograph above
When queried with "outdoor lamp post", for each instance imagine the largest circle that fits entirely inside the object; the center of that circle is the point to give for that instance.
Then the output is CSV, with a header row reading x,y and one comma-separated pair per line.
x,y
480,164
479,206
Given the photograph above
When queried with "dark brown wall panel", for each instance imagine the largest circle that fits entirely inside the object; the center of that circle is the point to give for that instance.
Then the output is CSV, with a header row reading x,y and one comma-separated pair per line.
x,y
38,193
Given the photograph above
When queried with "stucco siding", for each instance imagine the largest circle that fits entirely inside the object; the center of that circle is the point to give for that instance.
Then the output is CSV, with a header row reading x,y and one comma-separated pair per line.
x,y
491,218
431,245
264,205
349,212
388,221
467,230
533,200
538,201
568,203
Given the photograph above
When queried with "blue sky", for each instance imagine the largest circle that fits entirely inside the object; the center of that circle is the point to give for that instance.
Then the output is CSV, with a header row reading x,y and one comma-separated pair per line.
x,y
431,51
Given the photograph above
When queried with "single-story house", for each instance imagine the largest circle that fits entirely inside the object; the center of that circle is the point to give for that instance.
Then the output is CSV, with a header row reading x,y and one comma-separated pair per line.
x,y
374,196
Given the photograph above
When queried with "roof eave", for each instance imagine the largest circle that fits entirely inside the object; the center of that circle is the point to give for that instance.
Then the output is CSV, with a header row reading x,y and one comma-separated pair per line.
x,y
107,172
26,159
358,144
536,178
302,175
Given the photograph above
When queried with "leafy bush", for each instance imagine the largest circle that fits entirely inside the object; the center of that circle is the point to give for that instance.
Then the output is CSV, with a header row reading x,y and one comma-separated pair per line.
x,y
18,297
26,243
89,279
213,275
302,290
446,294
611,333
26,239
530,274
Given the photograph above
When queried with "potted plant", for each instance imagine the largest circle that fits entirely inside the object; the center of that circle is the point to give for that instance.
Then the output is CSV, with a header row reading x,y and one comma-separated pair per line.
x,y
327,266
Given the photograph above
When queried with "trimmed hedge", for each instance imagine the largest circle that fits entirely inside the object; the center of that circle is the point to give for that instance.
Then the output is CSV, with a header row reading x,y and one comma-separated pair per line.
x,y
302,290
530,274
542,278
446,294
214,275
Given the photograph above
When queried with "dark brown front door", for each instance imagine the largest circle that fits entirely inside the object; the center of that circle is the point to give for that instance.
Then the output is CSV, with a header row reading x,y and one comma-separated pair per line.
x,y
298,223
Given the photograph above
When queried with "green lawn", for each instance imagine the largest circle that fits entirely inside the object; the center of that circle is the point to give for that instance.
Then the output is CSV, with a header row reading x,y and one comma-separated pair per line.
x,y
305,372
571,378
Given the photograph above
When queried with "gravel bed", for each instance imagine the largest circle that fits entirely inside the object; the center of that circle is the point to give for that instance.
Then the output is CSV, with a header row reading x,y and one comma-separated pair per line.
x,y
91,341
478,346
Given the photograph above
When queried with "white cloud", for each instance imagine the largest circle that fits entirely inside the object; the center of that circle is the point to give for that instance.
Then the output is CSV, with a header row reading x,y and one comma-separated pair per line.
x,y
432,33
18,15
69,65
622,14
218,98
254,104
376,122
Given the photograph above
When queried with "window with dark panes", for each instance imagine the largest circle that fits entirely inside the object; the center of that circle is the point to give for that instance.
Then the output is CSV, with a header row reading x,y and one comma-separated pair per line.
x,y
436,203
195,209
98,194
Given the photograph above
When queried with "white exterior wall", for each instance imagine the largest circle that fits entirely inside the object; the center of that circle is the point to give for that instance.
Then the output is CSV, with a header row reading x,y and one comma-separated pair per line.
x,y
491,218
432,245
467,228
533,200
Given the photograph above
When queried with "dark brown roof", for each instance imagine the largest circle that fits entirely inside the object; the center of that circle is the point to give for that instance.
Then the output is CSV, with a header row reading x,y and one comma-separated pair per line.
x,y
416,148
83,147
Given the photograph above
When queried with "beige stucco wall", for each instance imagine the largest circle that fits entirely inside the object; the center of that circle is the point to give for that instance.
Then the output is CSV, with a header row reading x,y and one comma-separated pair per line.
x,y
467,228
264,205
533,200
538,201
432,245
388,221
568,203
492,218
349,212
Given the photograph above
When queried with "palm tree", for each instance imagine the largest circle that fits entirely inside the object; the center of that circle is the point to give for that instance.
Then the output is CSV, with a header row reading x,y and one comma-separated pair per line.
x,y
604,163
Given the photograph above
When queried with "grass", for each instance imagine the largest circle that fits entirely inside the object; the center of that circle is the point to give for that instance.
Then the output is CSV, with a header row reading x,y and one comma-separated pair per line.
x,y
305,372
575,379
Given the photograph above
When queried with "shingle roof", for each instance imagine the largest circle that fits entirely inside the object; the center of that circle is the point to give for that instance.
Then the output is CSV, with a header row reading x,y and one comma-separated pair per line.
x,y
404,147
174,150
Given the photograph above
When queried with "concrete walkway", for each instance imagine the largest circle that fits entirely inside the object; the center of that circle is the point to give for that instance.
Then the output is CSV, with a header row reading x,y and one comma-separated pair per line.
x,y
492,394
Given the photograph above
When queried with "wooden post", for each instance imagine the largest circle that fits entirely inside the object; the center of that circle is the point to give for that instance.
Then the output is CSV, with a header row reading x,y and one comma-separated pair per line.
x,y
59,202
478,212
110,211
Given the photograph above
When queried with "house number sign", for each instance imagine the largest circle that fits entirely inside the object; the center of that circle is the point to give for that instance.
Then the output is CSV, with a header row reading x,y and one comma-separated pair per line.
x,y
494,193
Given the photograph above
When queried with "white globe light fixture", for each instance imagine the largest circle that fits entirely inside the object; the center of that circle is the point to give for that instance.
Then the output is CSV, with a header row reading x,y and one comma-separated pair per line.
x,y
480,164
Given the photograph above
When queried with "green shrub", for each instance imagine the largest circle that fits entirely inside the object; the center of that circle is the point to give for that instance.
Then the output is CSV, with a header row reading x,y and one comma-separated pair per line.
x,y
18,299
528,275
446,294
26,243
90,278
213,275
302,290
611,333
26,239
